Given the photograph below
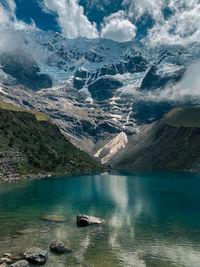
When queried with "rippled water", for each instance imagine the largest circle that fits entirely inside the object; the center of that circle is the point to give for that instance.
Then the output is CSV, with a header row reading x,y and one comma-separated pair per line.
x,y
152,219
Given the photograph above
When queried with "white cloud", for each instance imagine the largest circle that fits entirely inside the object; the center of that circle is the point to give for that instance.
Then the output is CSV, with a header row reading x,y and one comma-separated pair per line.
x,y
116,27
10,37
182,27
4,16
187,89
8,17
71,18
137,8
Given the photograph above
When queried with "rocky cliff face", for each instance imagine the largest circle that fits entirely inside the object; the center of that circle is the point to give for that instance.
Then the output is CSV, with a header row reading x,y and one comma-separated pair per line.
x,y
92,88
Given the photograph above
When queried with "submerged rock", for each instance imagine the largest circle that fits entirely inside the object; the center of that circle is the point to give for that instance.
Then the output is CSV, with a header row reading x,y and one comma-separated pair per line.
x,y
25,231
5,260
58,247
54,218
11,256
22,263
85,220
8,255
36,256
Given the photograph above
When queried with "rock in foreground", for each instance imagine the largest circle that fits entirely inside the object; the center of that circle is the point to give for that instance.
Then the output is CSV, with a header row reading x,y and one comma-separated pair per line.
x,y
3,265
58,247
85,220
23,263
36,256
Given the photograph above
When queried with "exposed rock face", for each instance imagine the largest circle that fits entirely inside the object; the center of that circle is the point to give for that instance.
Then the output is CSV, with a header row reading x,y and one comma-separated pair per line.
x,y
104,88
85,220
36,256
58,247
25,70
110,150
22,263
153,80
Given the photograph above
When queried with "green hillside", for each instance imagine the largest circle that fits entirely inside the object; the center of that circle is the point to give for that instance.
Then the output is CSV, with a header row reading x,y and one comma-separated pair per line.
x,y
171,144
40,116
183,117
30,143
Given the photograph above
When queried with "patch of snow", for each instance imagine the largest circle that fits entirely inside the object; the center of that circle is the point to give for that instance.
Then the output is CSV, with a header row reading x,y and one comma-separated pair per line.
x,y
165,69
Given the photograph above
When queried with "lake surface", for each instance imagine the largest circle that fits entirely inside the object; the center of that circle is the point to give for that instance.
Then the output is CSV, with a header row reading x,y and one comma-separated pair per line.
x,y
153,219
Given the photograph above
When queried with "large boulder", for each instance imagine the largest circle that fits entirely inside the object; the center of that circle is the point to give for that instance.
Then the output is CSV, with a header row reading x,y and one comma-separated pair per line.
x,y
22,263
58,247
85,220
36,256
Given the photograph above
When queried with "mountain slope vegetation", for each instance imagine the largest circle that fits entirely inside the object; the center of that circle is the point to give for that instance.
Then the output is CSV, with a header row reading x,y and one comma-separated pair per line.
x,y
31,144
173,143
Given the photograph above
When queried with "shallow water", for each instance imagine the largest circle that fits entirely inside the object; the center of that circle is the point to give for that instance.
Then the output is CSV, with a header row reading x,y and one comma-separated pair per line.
x,y
153,219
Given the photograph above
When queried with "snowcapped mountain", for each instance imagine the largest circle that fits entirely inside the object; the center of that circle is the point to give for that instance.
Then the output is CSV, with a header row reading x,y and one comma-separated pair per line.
x,y
93,89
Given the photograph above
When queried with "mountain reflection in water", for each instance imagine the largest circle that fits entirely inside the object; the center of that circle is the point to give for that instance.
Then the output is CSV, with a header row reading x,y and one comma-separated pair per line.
x,y
152,219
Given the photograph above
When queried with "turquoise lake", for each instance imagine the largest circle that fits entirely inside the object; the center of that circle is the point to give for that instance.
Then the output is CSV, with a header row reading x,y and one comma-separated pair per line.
x,y
153,219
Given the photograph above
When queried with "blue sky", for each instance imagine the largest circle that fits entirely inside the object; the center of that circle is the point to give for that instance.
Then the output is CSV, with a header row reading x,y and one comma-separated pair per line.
x,y
152,21
29,9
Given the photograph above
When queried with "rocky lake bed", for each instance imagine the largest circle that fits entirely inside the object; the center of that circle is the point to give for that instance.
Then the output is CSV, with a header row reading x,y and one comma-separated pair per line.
x,y
134,220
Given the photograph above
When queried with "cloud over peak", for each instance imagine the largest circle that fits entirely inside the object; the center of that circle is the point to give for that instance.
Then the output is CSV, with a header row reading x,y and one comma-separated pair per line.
x,y
8,17
175,21
118,28
71,18
154,22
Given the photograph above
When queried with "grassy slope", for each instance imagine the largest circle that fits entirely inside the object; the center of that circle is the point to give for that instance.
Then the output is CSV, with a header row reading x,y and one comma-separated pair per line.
x,y
40,116
32,144
183,117
172,144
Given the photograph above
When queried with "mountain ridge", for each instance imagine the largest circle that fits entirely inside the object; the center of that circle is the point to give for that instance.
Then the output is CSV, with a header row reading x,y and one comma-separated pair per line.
x,y
173,144
100,88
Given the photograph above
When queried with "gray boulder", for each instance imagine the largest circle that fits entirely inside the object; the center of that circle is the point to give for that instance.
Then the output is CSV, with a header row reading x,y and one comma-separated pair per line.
x,y
36,256
58,247
85,220
22,263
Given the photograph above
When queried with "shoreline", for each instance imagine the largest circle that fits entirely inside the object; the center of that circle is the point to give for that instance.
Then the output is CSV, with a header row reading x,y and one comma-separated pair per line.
x,y
28,177
18,178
